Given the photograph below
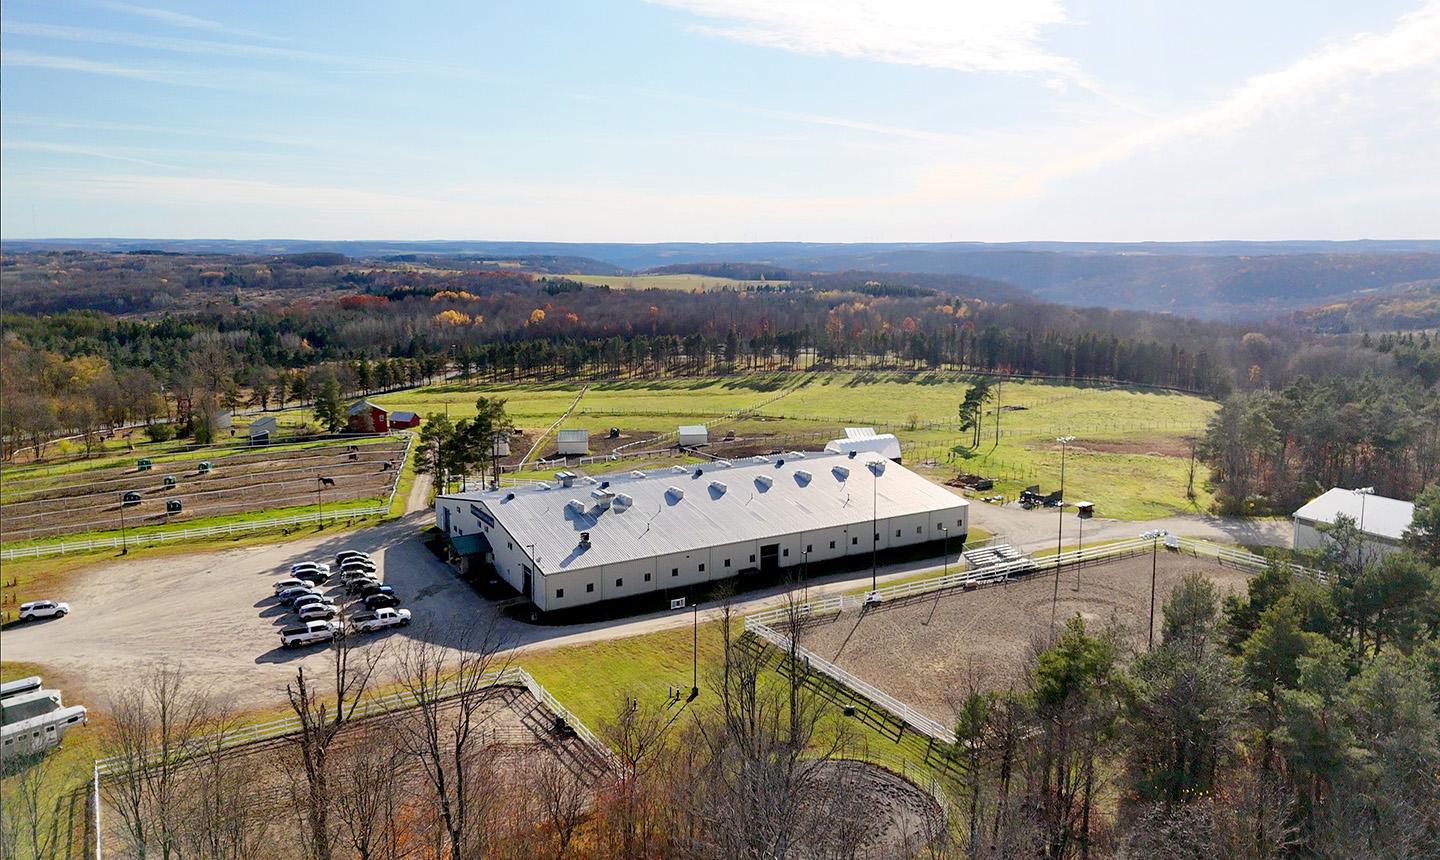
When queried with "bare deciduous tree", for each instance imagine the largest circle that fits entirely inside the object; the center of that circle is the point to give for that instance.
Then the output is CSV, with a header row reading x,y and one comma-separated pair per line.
x,y
453,690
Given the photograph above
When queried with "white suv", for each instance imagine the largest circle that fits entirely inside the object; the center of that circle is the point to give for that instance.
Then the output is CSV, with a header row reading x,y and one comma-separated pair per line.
x,y
43,609
308,633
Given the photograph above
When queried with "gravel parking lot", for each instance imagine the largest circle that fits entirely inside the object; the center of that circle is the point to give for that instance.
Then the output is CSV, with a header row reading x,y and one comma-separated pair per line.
x,y
923,650
215,615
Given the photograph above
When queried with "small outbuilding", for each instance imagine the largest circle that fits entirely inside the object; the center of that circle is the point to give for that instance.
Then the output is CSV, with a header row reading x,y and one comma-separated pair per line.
x,y
864,440
691,435
262,430
1382,521
403,420
502,445
571,442
366,417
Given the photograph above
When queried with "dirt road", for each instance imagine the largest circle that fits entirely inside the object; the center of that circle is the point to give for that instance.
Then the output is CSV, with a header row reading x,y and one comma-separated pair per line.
x,y
1035,530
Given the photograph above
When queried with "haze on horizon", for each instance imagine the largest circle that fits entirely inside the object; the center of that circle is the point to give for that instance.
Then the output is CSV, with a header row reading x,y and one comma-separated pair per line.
x,y
721,120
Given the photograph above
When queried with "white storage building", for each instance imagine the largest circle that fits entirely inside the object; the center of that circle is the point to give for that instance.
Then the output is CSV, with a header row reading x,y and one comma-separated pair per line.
x,y
691,435
584,539
1382,520
573,442
864,440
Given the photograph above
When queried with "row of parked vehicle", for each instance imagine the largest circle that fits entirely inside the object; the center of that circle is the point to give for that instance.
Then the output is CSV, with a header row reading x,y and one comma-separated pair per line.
x,y
377,606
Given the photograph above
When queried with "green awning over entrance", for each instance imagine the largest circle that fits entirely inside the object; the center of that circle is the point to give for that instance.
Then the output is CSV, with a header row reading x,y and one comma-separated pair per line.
x,y
468,545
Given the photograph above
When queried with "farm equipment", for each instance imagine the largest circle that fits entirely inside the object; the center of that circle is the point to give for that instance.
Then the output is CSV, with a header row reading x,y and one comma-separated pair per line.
x,y
169,480
614,432
173,506
204,467
131,498
1030,497
972,482
144,464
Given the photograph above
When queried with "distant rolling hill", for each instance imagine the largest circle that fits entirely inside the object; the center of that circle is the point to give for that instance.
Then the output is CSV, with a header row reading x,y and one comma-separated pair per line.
x,y
1226,280
1410,307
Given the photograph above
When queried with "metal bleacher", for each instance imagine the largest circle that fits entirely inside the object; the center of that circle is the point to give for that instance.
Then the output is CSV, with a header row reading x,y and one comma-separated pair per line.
x,y
993,555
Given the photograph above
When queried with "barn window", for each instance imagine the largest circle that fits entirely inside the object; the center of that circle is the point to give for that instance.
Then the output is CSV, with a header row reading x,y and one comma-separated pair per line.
x,y
509,545
809,549
854,541
589,587
897,534
787,552
647,577
727,562
702,567
619,582
752,559
559,593
919,530
832,544
674,571
959,523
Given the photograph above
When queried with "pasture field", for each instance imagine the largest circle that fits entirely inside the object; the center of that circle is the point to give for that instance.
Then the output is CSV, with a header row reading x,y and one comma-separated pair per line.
x,y
926,649
43,503
1131,455
686,282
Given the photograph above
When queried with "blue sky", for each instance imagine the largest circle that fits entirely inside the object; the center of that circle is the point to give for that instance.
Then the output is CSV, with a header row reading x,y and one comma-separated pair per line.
x,y
721,120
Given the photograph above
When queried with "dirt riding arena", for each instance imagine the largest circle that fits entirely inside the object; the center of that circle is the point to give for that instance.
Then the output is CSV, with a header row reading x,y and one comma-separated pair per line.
x,y
923,650
520,753
258,479
872,813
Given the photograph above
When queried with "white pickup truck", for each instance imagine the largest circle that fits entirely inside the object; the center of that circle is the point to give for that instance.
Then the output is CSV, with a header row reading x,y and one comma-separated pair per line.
x,y
369,622
308,633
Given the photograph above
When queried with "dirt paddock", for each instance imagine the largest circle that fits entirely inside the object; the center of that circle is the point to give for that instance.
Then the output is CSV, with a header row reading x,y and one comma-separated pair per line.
x,y
517,742
923,650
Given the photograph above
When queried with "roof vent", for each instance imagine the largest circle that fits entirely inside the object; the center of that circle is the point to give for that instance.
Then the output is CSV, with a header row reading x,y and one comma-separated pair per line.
x,y
636,473
799,455
576,505
718,486
604,484
852,455
759,458
679,470
623,500
542,485
602,498
803,476
699,472
675,491
584,538
779,463
724,464
842,471
591,481
509,497
566,479
764,481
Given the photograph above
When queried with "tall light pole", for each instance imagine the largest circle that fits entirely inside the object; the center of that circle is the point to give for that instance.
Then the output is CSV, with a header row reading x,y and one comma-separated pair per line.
x,y
945,570
804,576
1060,529
874,468
694,650
1362,492
1154,537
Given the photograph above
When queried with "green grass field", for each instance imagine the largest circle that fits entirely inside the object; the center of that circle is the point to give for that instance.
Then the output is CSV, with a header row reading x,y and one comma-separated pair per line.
x,y
684,282
1130,457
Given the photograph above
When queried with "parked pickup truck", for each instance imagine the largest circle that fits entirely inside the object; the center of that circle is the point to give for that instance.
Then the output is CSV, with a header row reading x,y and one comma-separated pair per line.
x,y
308,633
368,622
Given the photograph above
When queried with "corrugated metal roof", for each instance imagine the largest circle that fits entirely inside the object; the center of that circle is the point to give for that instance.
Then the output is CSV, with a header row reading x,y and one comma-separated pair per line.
x,y
804,493
1384,517
859,432
574,435
884,444
363,406
694,430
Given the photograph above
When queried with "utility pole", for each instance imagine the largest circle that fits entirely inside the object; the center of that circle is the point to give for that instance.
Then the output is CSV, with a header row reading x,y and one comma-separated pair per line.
x,y
1060,528
1154,537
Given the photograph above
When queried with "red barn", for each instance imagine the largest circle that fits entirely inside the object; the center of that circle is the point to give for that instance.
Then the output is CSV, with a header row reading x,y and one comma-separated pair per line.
x,y
366,417
403,420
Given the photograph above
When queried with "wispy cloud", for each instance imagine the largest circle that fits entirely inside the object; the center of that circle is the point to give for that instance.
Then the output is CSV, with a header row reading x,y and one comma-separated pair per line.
x,y
93,125
177,19
204,47
28,59
964,35
85,151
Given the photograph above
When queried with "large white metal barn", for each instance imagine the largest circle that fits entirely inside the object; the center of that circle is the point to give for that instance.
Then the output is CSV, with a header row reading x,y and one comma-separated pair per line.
x,y
581,540
1382,521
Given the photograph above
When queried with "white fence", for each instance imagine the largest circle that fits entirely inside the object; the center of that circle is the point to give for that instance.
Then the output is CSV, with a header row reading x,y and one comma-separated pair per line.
x,y
763,624
202,532
513,676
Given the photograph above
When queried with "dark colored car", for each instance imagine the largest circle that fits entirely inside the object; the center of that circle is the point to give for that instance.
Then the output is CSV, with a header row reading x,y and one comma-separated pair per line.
x,y
355,586
376,588
381,601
